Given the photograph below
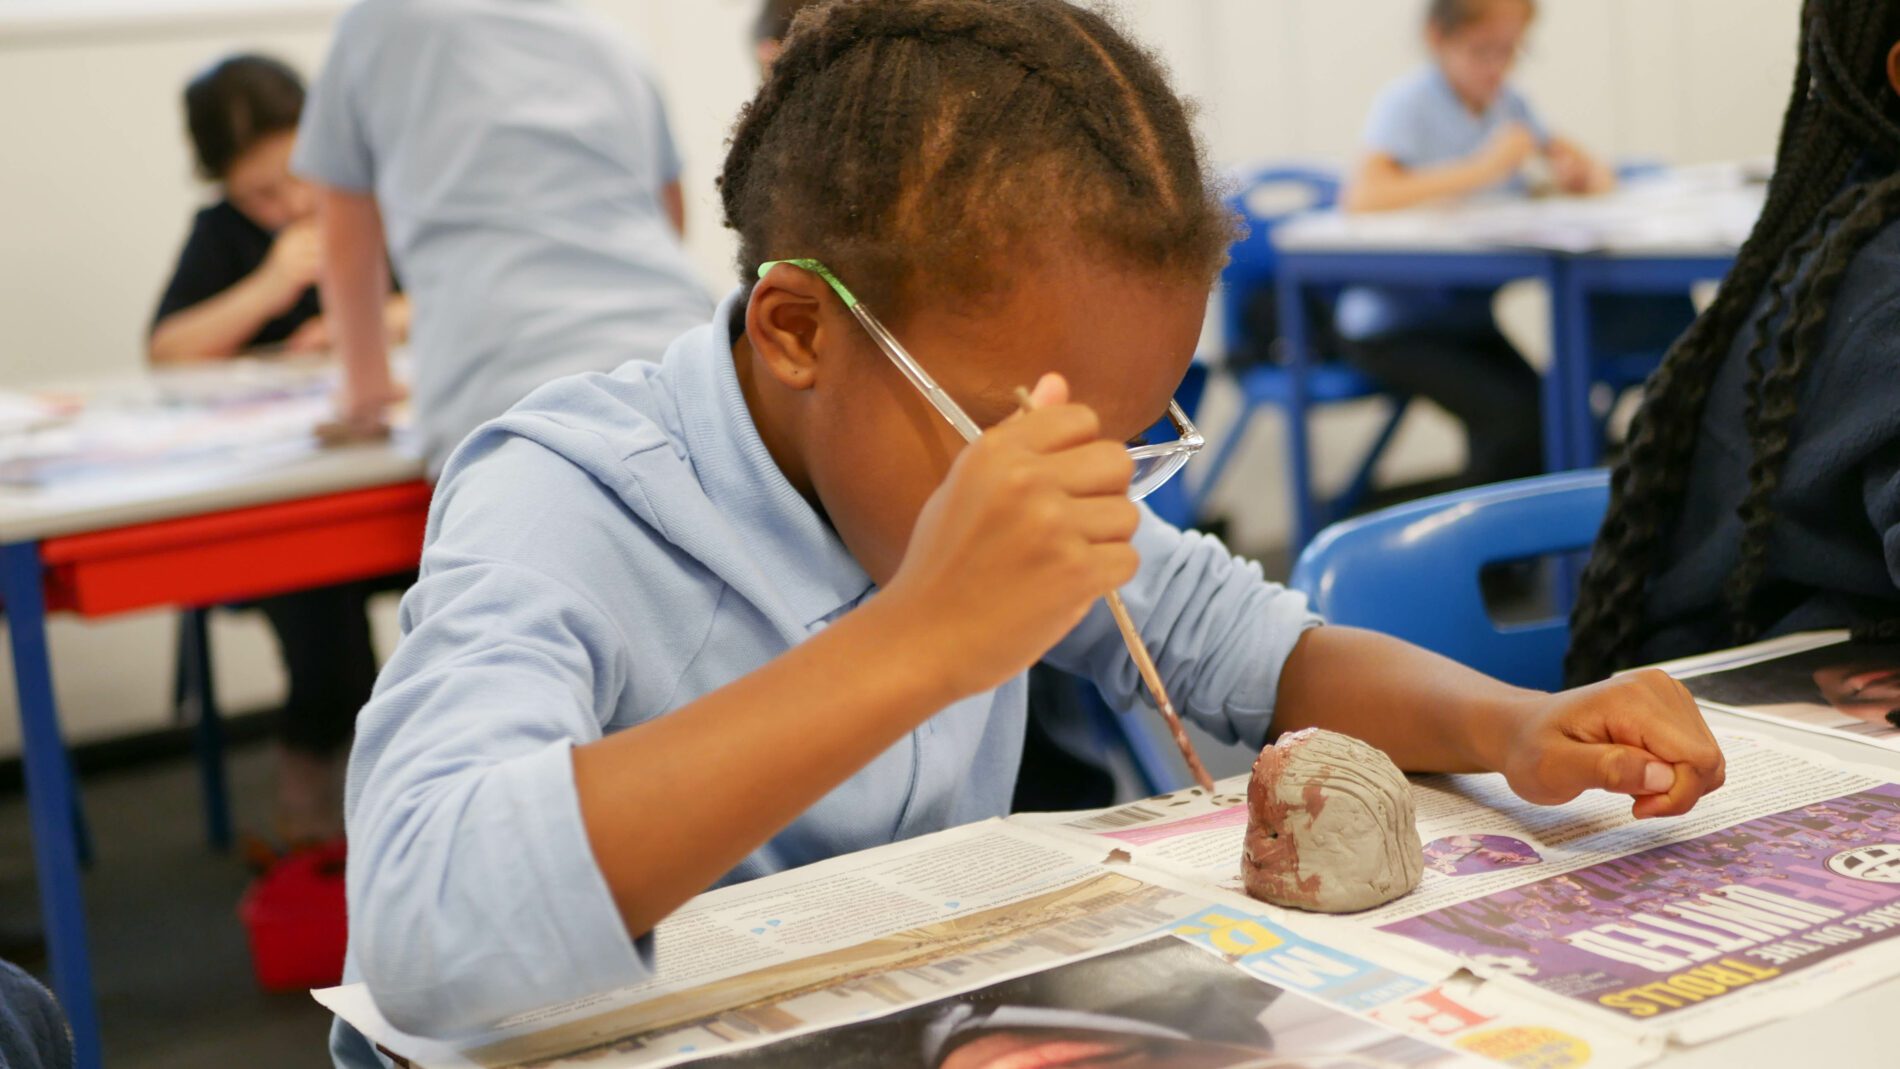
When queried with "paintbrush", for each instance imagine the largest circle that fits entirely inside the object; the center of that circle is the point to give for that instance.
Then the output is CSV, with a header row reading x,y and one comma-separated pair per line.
x,y
1145,664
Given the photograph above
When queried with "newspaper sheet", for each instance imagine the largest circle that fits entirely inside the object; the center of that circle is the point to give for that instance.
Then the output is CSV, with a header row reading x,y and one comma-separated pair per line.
x,y
1565,936
922,929
841,940
1818,682
1779,892
243,414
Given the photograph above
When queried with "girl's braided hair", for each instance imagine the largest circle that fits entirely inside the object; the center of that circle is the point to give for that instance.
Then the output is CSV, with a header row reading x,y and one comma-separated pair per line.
x,y
948,141
1842,112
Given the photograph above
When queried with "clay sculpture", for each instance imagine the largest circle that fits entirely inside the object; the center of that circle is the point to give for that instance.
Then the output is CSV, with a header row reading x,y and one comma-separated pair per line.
x,y
1330,826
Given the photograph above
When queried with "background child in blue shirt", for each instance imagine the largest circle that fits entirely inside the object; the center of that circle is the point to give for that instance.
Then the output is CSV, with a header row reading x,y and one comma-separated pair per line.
x,y
759,604
1456,127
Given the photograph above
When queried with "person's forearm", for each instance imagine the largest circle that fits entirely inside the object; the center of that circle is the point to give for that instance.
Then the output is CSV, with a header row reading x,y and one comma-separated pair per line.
x,y
1601,178
355,286
1428,713
396,318
673,199
1391,190
675,803
1579,173
218,326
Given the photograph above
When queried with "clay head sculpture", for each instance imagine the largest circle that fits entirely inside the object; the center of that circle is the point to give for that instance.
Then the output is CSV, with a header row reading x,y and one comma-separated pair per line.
x,y
1330,826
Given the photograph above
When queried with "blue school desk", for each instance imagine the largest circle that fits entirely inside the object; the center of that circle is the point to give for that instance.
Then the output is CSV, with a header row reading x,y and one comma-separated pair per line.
x,y
1571,439
1303,267
1467,247
339,515
1581,276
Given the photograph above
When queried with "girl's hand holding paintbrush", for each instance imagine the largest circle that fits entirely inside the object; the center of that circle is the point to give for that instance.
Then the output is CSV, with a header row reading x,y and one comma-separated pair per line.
x,y
1030,528
1144,663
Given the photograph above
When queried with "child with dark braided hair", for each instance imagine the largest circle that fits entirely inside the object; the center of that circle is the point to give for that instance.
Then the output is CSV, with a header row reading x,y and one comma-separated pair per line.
x,y
1760,492
772,599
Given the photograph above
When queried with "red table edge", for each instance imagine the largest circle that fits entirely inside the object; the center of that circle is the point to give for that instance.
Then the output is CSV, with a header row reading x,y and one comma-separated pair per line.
x,y
238,554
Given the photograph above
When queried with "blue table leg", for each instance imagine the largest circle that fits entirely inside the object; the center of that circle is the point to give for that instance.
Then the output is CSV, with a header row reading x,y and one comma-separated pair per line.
x,y
50,798
208,731
1296,338
1567,383
1570,427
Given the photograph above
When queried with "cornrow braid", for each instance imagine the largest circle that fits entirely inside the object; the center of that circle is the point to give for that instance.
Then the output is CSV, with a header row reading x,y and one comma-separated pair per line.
x,y
1779,292
1831,123
905,141
1783,283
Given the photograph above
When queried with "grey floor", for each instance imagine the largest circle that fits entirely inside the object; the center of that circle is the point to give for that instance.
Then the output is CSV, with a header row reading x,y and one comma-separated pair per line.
x,y
171,966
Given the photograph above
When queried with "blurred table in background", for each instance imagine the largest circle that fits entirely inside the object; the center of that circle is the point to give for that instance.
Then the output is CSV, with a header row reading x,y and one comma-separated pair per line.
x,y
1662,233
183,489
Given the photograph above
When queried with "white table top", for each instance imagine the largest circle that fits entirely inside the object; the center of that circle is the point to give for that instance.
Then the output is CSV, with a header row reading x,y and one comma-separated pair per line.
x,y
219,437
198,488
1691,213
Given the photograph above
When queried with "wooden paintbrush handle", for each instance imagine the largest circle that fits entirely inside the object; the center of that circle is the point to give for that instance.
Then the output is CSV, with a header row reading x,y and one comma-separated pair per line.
x,y
1145,664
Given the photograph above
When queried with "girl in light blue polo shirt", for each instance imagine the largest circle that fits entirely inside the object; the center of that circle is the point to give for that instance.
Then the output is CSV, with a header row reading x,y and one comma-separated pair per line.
x,y
1456,127
772,599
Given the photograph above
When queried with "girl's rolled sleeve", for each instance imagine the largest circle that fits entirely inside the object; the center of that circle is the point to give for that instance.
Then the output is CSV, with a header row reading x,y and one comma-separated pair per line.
x,y
1220,634
473,892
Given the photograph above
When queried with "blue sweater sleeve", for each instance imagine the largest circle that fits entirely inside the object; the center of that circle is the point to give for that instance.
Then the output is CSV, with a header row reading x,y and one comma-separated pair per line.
x,y
1880,466
1847,420
1883,506
473,892
1219,632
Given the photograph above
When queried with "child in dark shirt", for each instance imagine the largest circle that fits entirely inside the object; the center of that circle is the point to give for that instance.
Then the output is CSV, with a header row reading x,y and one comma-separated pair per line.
x,y
246,277
1760,493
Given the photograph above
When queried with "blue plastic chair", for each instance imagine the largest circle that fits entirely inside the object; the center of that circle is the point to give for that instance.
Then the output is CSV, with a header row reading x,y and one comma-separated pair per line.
x,y
1267,197
1412,570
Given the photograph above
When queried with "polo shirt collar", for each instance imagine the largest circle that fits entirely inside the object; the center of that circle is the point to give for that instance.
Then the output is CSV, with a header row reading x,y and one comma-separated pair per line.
x,y
794,547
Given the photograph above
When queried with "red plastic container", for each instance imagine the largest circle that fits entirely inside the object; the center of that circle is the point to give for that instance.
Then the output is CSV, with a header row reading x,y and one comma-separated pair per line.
x,y
297,920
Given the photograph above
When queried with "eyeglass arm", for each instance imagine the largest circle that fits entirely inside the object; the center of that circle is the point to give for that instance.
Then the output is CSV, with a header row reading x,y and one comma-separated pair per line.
x,y
918,377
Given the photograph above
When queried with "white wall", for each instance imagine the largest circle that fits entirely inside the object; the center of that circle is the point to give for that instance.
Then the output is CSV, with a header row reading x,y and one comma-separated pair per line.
x,y
96,189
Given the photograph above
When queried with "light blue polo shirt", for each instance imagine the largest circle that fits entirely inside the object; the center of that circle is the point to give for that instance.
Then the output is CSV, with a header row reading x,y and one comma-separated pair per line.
x,y
517,150
611,549
1420,121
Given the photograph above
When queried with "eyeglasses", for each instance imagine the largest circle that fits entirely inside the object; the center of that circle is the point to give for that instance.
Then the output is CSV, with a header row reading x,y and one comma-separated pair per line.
x,y
1155,463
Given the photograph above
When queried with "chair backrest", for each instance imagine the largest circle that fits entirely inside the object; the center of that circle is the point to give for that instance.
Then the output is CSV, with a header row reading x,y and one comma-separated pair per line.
x,y
1412,570
1265,196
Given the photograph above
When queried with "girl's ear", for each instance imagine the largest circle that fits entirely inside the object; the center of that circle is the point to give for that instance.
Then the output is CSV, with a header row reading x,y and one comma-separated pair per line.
x,y
785,322
1893,66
